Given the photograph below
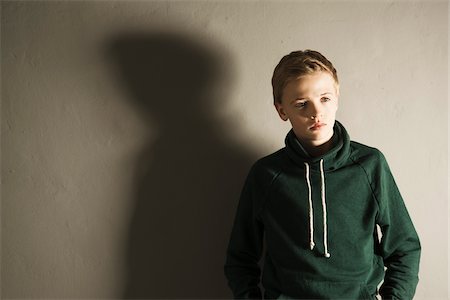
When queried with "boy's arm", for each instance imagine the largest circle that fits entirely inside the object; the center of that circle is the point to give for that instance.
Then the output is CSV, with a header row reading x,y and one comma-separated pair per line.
x,y
400,245
245,245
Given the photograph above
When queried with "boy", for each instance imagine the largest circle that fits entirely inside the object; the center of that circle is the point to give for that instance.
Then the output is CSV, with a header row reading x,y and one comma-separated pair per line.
x,y
318,202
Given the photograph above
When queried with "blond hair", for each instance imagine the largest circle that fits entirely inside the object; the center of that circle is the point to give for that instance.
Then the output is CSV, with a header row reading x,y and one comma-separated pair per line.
x,y
298,64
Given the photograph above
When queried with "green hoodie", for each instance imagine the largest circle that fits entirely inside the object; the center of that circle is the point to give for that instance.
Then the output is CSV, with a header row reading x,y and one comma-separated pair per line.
x,y
318,217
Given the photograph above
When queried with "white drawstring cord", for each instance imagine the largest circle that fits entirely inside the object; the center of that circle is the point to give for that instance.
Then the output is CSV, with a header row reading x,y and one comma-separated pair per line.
x,y
311,214
324,207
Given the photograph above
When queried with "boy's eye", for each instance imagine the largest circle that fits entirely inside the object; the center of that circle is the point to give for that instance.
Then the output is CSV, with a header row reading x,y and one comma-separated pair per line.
x,y
300,104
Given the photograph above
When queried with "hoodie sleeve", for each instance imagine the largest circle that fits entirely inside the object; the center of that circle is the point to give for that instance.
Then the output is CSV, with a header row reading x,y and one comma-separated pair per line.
x,y
400,245
246,244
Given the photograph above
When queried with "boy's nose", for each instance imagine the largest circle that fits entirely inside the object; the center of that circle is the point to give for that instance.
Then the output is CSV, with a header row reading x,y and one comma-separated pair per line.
x,y
316,112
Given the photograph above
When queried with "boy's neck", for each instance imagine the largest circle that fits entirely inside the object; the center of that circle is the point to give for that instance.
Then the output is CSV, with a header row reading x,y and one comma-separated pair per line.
x,y
318,150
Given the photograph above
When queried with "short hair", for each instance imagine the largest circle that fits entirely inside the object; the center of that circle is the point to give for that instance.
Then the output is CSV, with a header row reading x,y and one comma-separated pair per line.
x,y
297,64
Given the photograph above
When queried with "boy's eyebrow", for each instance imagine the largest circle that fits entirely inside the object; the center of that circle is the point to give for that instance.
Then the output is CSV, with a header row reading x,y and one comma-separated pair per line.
x,y
300,97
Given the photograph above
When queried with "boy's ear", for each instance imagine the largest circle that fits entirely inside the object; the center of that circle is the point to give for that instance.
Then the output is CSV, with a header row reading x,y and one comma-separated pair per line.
x,y
281,111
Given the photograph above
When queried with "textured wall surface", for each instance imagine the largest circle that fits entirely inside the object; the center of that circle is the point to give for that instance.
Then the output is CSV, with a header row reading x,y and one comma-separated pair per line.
x,y
128,129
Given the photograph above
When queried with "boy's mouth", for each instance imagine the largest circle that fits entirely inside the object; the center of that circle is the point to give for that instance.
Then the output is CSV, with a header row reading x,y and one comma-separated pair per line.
x,y
317,126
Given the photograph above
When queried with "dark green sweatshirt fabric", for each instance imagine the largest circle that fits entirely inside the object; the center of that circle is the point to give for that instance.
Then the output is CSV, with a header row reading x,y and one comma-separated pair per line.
x,y
290,204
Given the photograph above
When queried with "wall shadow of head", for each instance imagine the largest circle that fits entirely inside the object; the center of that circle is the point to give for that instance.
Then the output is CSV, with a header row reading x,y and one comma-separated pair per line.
x,y
189,176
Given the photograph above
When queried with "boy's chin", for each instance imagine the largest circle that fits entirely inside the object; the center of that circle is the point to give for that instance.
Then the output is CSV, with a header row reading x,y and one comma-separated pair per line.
x,y
317,139
314,136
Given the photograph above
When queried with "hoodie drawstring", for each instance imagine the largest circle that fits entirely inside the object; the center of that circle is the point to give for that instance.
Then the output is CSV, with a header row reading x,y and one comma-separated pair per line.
x,y
311,214
324,209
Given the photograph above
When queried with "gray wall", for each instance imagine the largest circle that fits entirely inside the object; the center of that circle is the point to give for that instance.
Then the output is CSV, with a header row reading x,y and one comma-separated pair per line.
x,y
128,129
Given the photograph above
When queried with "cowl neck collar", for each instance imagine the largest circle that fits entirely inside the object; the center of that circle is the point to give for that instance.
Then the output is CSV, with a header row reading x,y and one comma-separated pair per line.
x,y
332,160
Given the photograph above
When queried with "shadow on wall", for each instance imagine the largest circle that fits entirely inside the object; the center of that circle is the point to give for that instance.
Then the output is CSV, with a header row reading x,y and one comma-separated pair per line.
x,y
188,178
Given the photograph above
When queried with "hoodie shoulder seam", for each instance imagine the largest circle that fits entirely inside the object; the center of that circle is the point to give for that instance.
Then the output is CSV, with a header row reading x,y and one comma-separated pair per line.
x,y
265,196
368,180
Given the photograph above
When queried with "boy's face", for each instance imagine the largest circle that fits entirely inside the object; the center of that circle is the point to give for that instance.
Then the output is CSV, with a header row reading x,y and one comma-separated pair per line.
x,y
310,104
